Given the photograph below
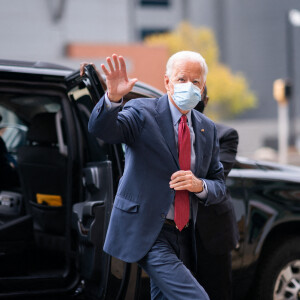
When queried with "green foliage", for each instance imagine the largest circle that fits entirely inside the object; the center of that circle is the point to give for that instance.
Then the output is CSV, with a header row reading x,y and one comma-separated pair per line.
x,y
229,93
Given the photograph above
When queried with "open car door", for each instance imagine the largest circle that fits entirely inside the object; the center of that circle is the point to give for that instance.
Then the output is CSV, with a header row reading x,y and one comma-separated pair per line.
x,y
54,213
101,169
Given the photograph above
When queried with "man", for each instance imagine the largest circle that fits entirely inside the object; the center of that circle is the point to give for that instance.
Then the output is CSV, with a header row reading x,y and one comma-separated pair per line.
x,y
171,165
214,264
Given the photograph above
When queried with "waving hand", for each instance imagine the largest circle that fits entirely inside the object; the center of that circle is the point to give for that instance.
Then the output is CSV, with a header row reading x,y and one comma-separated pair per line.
x,y
118,84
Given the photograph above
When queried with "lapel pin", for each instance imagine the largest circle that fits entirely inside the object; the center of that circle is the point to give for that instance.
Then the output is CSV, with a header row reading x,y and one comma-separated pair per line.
x,y
202,130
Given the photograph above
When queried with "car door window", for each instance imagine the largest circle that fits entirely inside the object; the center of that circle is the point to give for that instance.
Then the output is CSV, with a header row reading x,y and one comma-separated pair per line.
x,y
28,208
12,130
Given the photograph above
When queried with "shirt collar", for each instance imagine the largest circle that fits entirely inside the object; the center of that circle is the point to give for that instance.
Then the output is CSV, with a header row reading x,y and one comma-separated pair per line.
x,y
176,114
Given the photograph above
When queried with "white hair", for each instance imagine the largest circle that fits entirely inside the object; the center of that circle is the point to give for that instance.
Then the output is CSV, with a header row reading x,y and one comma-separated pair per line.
x,y
187,55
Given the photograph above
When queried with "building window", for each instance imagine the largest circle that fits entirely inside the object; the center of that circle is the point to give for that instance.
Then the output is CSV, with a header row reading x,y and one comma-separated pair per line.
x,y
154,2
148,31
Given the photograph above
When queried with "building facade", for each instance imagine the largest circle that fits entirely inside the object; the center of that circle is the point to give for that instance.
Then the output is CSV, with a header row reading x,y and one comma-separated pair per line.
x,y
252,35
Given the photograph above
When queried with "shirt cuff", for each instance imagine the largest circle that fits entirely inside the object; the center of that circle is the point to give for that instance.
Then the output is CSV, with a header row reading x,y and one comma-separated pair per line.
x,y
203,194
109,105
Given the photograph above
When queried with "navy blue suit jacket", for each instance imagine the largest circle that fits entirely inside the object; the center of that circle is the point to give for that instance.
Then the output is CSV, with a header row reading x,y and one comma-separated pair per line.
x,y
144,197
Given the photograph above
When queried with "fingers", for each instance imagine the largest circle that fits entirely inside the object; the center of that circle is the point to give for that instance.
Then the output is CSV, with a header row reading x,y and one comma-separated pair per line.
x,y
122,63
82,65
180,173
182,186
105,71
111,67
185,180
116,61
179,177
132,82
116,66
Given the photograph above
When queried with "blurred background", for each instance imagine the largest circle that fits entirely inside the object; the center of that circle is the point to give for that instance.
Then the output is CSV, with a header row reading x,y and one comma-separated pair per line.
x,y
247,45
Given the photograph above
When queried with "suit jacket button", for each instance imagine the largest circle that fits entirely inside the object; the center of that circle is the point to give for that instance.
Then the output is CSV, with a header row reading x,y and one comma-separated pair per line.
x,y
163,216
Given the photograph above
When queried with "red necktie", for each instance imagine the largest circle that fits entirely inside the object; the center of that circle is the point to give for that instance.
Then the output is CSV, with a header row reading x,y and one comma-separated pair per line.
x,y
182,201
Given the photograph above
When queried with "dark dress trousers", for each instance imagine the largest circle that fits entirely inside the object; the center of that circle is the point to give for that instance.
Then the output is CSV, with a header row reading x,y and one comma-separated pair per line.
x,y
214,263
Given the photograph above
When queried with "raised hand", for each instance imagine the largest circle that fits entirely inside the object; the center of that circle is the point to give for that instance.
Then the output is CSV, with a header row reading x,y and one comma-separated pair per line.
x,y
118,84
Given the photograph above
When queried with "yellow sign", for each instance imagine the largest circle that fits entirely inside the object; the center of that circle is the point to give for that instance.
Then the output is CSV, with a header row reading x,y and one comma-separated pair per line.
x,y
51,200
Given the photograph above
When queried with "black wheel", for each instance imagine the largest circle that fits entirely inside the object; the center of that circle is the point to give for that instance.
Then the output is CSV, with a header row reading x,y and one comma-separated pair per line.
x,y
278,275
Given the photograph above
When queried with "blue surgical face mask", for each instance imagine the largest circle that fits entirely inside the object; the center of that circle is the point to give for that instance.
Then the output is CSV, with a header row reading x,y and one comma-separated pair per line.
x,y
186,95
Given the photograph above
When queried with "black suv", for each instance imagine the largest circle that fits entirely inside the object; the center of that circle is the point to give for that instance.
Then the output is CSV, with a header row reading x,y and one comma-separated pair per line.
x,y
58,184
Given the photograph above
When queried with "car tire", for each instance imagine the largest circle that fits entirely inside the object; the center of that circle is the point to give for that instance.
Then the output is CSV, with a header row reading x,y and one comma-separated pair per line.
x,y
278,276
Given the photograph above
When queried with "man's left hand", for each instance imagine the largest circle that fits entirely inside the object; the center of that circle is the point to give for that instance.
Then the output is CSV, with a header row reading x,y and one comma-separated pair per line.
x,y
186,180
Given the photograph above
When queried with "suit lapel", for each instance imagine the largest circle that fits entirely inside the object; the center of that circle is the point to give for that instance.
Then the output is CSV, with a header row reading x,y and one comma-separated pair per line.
x,y
200,140
165,122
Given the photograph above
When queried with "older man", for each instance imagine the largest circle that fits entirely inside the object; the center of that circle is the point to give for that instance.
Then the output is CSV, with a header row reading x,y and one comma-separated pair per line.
x,y
171,166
